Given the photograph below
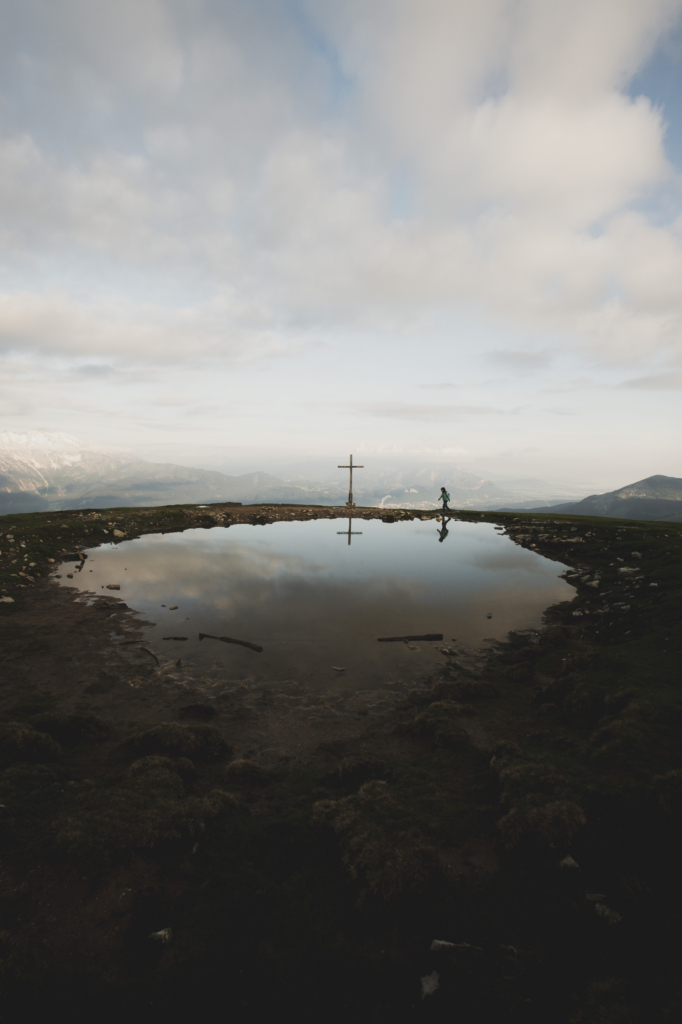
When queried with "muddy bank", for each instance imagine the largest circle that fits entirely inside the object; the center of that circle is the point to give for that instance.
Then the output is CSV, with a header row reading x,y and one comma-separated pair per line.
x,y
520,806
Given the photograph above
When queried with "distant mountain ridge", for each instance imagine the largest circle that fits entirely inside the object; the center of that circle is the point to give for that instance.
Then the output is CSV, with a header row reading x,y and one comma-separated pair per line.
x,y
654,498
51,471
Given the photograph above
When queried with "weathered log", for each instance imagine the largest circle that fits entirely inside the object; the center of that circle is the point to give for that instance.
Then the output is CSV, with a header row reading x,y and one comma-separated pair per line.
x,y
230,640
424,636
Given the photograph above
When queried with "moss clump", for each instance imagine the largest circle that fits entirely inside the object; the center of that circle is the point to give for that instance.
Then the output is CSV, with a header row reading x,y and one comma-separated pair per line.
x,y
463,690
353,771
543,805
554,822
439,722
21,742
154,762
146,807
668,792
246,773
199,742
68,729
381,846
26,779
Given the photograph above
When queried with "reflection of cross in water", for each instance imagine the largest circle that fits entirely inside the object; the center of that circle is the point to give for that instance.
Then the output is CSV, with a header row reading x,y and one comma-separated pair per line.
x,y
350,503
350,533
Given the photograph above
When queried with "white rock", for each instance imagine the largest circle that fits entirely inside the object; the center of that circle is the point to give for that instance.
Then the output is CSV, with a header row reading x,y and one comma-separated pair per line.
x,y
119,533
441,944
430,984
7,600
568,862
165,935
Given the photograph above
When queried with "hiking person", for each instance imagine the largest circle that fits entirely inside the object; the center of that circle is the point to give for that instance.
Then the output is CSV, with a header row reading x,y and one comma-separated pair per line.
x,y
445,498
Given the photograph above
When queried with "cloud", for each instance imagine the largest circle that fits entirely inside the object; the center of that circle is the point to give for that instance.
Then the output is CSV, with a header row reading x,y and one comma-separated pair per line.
x,y
430,413
56,324
232,170
439,387
669,381
522,360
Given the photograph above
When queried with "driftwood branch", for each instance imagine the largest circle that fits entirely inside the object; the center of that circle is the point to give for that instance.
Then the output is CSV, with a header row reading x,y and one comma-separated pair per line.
x,y
230,640
424,636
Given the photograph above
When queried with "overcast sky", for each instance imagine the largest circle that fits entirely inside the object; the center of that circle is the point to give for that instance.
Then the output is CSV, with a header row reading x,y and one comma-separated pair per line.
x,y
448,228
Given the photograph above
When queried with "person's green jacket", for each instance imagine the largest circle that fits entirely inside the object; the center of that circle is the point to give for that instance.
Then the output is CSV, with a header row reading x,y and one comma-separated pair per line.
x,y
444,496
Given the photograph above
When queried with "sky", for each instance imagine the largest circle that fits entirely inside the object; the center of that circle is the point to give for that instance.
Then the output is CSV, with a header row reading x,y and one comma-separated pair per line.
x,y
274,230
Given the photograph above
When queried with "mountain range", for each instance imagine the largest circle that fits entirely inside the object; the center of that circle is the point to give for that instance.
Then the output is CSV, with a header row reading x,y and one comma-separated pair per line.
x,y
49,471
656,497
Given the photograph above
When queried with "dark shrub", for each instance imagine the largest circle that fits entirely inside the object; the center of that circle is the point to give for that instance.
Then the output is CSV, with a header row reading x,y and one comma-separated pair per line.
x,y
202,712
246,773
26,778
464,690
199,742
21,742
439,721
381,846
67,729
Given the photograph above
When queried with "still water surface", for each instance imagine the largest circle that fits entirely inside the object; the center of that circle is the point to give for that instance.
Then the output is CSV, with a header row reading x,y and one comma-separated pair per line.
x,y
317,604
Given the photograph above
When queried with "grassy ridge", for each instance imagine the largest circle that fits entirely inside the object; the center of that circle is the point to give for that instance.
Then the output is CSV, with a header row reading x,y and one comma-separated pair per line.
x,y
323,889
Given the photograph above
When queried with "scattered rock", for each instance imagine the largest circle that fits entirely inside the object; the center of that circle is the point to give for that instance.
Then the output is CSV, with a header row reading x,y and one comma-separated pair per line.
x,y
568,862
113,586
119,533
612,916
166,934
441,944
430,984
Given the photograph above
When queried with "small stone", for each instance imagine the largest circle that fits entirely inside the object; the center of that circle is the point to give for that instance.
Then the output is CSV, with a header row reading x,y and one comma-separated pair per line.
x,y
430,984
337,668
568,862
165,935
119,533
612,916
173,608
113,586
441,944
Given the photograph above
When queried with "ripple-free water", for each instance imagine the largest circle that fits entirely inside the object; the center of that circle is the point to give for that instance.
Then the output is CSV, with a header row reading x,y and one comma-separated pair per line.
x,y
317,604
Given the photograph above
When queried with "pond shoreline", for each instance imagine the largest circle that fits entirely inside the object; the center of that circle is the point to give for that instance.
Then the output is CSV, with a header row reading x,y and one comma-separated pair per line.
x,y
452,814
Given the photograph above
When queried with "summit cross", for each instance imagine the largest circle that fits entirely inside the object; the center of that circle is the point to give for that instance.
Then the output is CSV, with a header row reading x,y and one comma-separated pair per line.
x,y
350,503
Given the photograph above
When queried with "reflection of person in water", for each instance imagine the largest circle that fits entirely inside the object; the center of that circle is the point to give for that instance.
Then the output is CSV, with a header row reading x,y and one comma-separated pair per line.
x,y
443,532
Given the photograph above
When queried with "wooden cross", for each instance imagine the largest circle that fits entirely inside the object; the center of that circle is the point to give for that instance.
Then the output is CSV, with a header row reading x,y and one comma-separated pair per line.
x,y
350,533
351,467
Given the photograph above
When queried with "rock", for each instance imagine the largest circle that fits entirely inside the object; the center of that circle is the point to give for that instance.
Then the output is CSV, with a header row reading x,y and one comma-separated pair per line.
x,y
119,533
165,935
568,862
337,668
6,600
441,944
113,586
173,608
636,554
430,984
609,915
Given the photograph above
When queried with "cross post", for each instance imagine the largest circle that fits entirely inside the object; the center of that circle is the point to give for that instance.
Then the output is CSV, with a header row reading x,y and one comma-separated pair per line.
x,y
350,503
350,533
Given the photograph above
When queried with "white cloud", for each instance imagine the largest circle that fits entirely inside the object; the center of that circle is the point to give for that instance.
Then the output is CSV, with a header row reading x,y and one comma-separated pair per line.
x,y
198,183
